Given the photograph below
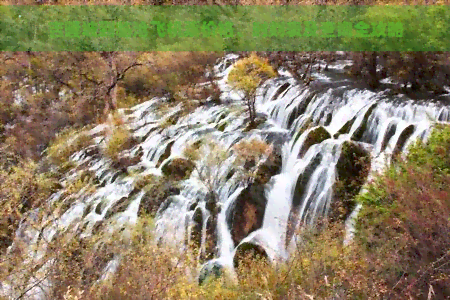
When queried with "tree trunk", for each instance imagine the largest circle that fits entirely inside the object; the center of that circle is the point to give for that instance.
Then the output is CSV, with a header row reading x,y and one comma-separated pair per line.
x,y
251,109
372,68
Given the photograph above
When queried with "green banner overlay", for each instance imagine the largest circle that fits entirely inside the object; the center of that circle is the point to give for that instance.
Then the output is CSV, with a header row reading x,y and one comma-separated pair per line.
x,y
225,28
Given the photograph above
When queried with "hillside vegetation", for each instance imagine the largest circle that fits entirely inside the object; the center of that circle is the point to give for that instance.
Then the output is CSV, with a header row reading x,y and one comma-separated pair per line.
x,y
401,248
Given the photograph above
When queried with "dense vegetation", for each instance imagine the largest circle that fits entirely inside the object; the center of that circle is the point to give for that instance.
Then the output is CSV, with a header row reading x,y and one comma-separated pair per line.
x,y
401,249
402,246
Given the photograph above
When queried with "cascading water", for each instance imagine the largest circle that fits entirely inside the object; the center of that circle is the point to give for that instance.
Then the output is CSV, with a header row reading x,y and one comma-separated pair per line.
x,y
299,194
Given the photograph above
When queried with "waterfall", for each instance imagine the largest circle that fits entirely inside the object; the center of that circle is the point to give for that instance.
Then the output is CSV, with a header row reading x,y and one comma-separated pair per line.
x,y
299,194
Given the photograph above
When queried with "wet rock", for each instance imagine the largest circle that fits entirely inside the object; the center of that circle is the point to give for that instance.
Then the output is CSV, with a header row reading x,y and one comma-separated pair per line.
x,y
259,120
329,117
346,128
166,154
303,179
98,226
315,136
270,167
157,190
222,125
118,207
248,251
404,136
198,218
93,151
352,170
99,208
247,212
178,168
122,163
275,138
280,90
211,225
392,127
359,132
293,115
301,108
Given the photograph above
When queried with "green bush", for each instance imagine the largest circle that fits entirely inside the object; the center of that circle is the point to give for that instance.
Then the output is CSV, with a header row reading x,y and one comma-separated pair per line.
x,y
404,223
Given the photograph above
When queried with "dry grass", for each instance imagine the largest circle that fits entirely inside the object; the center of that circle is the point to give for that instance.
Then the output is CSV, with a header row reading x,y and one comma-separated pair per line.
x,y
67,143
119,139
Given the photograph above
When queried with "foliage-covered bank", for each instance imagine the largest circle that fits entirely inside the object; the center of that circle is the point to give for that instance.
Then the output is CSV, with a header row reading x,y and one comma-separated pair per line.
x,y
400,250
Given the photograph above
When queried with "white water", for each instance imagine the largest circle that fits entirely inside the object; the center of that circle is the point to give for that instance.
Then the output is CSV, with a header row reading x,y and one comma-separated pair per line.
x,y
287,112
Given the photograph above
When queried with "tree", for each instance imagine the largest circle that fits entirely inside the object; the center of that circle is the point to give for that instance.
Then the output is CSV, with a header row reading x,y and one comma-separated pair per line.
x,y
247,75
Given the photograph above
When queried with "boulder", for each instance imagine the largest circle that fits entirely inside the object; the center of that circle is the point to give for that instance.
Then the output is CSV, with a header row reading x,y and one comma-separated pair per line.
x,y
270,167
157,190
315,136
177,168
247,212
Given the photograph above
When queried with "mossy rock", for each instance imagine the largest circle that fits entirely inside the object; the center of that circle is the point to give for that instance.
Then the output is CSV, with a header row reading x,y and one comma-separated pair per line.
x,y
121,139
305,127
178,168
392,128
404,136
258,121
210,237
166,154
67,143
88,176
346,128
119,206
315,136
196,230
271,167
124,162
352,168
359,132
222,125
157,190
